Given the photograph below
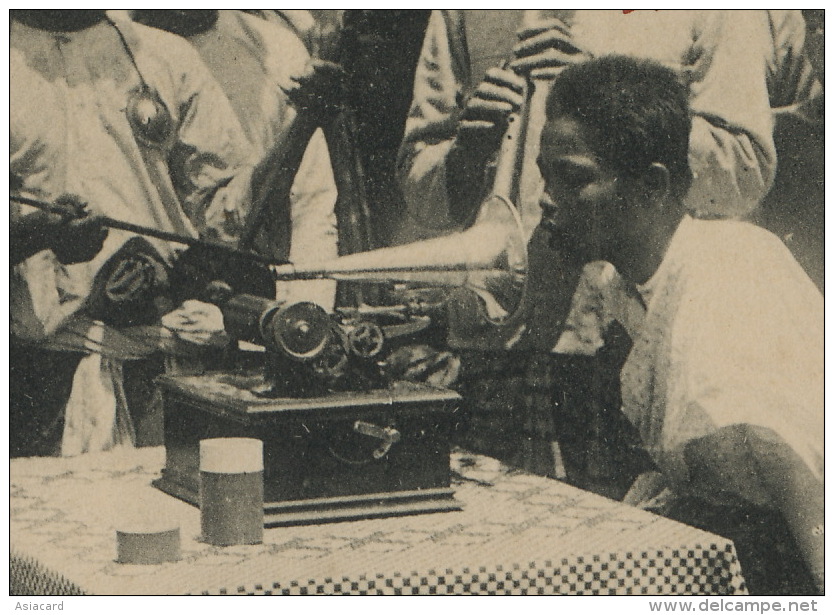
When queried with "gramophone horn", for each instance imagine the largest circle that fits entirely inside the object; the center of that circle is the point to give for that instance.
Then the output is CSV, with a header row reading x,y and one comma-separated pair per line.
x,y
489,259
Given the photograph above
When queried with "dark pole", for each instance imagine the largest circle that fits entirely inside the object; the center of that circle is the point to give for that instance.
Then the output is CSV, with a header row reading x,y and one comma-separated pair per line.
x,y
156,233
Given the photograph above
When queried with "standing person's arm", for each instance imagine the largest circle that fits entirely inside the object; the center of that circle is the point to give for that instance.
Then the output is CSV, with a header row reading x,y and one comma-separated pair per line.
x,y
440,80
211,164
75,236
791,77
731,150
451,138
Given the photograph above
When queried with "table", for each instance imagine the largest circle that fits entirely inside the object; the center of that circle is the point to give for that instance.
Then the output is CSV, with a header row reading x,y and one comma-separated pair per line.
x,y
517,534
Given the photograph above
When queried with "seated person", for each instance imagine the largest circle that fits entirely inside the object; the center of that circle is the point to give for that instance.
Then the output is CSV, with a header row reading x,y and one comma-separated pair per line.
x,y
724,382
470,78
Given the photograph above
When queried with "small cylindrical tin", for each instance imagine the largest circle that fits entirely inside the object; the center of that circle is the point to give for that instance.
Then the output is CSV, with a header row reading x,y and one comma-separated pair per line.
x,y
231,491
147,545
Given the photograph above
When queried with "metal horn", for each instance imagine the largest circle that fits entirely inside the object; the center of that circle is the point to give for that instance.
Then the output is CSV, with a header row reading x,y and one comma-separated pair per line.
x,y
489,258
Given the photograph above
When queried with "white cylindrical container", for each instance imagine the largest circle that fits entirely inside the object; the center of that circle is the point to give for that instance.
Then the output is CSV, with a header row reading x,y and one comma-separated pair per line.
x,y
232,491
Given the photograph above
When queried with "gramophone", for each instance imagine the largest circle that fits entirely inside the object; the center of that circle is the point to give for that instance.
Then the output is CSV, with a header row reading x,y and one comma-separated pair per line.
x,y
343,437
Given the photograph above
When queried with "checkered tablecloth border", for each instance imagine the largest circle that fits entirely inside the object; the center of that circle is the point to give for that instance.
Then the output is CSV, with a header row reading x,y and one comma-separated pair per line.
x,y
693,571
29,578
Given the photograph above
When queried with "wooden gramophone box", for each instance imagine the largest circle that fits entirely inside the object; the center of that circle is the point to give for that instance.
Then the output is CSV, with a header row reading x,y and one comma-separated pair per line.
x,y
348,455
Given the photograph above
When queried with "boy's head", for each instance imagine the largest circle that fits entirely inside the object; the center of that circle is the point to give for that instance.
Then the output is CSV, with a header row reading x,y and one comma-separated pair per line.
x,y
614,157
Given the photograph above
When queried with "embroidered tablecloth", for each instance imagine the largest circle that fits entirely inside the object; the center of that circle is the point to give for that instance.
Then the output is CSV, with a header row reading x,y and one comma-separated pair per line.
x,y
517,534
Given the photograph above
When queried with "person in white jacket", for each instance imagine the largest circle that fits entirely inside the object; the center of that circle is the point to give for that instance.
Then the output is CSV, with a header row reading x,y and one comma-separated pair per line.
x,y
473,66
255,60
472,75
130,120
724,383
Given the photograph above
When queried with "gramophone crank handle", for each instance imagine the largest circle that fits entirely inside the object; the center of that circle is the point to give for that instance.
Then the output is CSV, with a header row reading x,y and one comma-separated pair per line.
x,y
388,435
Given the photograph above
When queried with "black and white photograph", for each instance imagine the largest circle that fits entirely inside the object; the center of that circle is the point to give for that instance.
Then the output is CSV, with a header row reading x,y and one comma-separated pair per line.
x,y
412,302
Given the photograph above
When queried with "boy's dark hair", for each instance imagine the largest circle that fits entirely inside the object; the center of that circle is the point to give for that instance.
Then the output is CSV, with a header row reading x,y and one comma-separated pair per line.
x,y
637,112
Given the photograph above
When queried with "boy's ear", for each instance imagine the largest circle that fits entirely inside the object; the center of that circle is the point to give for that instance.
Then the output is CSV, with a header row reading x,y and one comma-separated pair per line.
x,y
656,182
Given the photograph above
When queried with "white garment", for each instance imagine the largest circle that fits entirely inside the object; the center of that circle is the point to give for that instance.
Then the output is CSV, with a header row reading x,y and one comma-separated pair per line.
x,y
790,76
251,58
720,55
69,133
98,419
733,335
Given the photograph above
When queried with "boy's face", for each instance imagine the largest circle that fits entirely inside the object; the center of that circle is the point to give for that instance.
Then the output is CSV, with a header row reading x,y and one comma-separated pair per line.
x,y
586,205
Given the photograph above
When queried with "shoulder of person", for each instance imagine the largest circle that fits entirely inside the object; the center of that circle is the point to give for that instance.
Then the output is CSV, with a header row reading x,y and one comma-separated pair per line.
x,y
739,259
280,39
157,50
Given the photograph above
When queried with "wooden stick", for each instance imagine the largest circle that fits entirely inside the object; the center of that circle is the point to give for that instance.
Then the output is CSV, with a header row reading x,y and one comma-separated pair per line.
x,y
156,233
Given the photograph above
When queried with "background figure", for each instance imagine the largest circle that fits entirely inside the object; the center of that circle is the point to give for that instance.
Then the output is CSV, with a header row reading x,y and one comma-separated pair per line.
x,y
150,141
254,60
462,97
379,54
794,209
378,51
791,77
40,380
732,150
